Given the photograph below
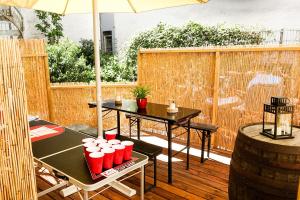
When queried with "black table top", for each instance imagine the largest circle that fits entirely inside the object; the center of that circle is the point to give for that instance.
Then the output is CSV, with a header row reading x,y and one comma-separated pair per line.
x,y
64,153
73,165
68,139
153,110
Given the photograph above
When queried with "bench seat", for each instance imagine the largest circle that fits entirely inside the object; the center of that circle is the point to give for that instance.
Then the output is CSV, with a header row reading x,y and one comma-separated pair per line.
x,y
150,150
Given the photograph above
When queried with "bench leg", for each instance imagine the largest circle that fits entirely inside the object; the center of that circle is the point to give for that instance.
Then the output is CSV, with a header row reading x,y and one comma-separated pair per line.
x,y
208,142
130,121
118,124
188,146
154,175
202,146
138,126
169,152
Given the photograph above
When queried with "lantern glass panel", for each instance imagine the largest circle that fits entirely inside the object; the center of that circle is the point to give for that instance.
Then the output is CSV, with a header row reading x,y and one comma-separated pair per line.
x,y
284,124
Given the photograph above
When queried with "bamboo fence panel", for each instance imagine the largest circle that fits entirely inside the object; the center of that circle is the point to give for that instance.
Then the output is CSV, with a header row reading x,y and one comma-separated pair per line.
x,y
229,85
35,62
17,176
70,102
247,81
186,78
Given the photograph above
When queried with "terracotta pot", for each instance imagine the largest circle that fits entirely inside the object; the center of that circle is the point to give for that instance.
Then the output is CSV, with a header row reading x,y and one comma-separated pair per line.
x,y
141,103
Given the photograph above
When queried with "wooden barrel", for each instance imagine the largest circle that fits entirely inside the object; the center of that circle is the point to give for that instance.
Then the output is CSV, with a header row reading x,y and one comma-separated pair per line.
x,y
263,168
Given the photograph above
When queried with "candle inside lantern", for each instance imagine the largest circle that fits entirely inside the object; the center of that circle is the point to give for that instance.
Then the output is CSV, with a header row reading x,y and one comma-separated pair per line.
x,y
118,98
287,124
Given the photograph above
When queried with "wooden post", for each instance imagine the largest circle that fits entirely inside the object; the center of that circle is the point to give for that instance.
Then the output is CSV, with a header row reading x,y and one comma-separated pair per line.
x,y
138,66
216,92
48,85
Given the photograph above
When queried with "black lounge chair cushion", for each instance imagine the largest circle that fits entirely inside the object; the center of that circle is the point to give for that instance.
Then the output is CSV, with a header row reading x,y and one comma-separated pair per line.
x,y
142,147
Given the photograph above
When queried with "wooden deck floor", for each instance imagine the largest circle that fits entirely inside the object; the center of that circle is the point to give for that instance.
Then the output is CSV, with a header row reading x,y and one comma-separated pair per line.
x,y
201,181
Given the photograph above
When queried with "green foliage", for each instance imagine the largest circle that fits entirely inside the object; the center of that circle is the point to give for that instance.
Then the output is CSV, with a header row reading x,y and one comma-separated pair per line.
x,y
190,35
87,50
141,92
112,69
50,26
72,62
67,64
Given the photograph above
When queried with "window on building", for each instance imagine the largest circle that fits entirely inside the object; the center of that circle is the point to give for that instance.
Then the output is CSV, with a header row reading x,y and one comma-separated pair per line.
x,y
107,41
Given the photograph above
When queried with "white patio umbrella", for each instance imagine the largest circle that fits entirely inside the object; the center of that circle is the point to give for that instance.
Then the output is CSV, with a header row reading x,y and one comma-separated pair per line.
x,y
96,7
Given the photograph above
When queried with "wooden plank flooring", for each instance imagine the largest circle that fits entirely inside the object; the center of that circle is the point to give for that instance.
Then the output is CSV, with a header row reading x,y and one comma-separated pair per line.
x,y
201,181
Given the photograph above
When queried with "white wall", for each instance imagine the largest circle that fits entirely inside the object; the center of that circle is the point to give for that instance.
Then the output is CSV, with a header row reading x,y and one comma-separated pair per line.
x,y
29,19
272,14
77,26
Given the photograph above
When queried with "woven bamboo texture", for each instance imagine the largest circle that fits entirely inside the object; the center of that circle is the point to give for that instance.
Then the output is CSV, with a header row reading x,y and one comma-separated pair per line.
x,y
229,85
70,102
17,177
35,62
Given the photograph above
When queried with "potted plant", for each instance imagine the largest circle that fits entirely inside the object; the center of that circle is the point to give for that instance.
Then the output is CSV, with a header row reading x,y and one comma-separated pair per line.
x,y
140,93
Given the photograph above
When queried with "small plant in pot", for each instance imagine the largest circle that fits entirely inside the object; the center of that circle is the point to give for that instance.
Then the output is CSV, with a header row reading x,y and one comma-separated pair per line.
x,y
140,93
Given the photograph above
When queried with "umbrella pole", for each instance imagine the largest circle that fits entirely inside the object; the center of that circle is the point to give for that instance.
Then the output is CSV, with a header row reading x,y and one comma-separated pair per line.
x,y
96,34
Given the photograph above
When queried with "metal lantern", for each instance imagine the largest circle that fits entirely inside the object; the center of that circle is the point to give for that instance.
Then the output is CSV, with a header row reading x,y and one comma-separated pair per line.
x,y
280,114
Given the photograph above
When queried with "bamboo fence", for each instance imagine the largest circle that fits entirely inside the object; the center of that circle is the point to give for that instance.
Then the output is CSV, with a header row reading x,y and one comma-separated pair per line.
x,y
35,62
17,177
70,102
229,85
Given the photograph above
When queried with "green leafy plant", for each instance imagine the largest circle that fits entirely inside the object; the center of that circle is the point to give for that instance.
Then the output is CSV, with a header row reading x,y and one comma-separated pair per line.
x,y
189,35
112,69
87,50
141,92
67,64
50,26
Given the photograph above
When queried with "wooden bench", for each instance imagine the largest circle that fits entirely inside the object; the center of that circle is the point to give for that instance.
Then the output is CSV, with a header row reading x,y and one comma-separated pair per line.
x,y
206,130
150,150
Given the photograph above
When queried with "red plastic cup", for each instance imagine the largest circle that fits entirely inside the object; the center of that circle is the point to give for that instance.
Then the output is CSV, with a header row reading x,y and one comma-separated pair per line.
x,y
100,141
104,145
87,145
110,135
119,154
128,149
90,150
96,162
114,142
87,140
108,157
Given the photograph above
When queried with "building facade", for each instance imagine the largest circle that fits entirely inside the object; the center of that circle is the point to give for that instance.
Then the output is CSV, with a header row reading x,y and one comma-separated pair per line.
x,y
118,29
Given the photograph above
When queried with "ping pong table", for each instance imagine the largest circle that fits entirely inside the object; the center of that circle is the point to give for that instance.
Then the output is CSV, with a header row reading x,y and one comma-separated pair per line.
x,y
63,153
